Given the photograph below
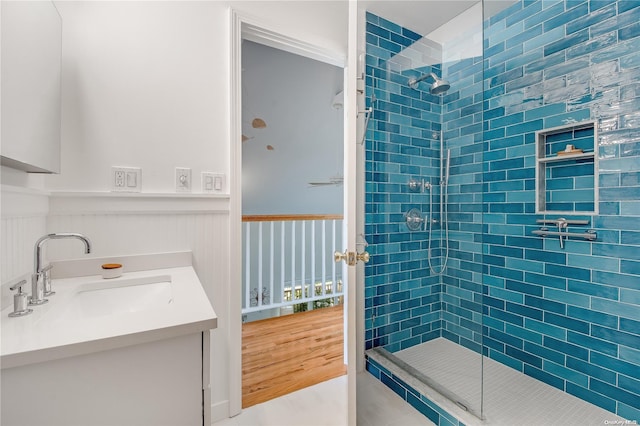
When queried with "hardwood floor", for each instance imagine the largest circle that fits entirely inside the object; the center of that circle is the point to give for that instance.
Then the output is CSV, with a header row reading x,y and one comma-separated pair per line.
x,y
284,354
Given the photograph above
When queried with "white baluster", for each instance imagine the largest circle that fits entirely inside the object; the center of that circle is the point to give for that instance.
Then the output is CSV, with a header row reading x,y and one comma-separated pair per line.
x,y
282,271
313,254
324,253
247,265
271,266
259,263
293,257
303,259
333,264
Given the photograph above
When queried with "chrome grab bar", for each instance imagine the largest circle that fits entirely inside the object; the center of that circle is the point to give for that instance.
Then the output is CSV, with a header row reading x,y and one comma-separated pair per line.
x,y
563,224
589,235
562,220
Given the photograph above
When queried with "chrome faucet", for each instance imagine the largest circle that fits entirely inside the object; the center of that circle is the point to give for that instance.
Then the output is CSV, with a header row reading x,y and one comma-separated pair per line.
x,y
40,279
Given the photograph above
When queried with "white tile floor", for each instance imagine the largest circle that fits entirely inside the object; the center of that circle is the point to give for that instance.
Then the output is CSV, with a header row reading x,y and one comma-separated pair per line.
x,y
325,405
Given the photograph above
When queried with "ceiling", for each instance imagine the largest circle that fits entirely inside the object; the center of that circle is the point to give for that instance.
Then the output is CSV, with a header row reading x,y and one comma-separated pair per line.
x,y
424,16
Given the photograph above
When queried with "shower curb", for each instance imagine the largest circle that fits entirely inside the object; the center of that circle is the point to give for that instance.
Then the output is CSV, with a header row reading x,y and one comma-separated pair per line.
x,y
429,401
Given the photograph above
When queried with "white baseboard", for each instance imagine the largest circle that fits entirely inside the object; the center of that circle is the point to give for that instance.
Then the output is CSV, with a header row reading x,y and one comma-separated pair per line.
x,y
219,411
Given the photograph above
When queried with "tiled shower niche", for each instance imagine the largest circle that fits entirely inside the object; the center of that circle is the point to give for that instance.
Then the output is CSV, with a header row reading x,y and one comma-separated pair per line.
x,y
567,170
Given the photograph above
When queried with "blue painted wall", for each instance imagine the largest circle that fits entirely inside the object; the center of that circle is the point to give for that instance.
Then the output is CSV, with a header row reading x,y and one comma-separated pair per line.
x,y
569,317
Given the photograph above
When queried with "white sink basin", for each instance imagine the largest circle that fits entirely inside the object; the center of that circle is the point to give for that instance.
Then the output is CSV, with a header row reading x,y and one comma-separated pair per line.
x,y
89,314
119,296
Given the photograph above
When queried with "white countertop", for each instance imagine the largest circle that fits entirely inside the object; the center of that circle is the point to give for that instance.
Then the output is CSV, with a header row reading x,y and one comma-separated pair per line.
x,y
58,329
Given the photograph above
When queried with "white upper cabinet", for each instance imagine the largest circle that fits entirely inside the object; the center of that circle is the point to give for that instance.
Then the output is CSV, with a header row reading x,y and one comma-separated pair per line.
x,y
31,55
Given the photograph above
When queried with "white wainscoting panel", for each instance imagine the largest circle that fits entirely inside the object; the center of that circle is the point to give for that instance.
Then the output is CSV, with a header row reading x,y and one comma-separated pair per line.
x,y
24,219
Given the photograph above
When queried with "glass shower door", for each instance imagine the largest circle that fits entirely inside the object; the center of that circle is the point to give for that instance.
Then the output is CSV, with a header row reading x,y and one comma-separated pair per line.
x,y
424,152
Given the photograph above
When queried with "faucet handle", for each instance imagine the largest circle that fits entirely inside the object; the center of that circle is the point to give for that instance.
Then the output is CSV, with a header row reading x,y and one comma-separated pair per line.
x,y
18,286
46,279
20,300
37,290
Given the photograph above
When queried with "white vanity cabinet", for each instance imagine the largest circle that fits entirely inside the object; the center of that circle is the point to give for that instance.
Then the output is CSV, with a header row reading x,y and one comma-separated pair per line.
x,y
157,383
127,351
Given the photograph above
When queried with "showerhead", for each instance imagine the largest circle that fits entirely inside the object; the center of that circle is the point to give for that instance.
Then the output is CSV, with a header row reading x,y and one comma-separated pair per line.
x,y
438,86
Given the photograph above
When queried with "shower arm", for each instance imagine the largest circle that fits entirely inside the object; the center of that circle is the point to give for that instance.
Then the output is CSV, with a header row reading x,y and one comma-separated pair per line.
x,y
423,78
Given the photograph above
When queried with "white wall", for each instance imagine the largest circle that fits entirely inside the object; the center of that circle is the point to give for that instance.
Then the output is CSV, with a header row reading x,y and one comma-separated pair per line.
x,y
322,23
146,84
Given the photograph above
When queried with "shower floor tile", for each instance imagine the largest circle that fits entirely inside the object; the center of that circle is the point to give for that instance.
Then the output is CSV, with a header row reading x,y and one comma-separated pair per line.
x,y
510,397
456,367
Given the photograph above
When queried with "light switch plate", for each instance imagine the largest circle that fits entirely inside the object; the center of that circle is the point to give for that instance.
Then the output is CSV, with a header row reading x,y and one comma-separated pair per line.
x,y
183,179
213,182
126,179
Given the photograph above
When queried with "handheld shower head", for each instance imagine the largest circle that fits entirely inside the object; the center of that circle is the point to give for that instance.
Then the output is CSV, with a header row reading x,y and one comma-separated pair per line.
x,y
438,86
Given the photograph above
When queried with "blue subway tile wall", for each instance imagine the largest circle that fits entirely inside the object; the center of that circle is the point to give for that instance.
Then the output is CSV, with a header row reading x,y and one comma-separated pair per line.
x,y
462,284
407,302
580,66
567,316
403,304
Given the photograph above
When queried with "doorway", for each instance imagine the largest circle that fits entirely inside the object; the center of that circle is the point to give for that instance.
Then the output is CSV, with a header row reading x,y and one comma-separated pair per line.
x,y
292,205
251,125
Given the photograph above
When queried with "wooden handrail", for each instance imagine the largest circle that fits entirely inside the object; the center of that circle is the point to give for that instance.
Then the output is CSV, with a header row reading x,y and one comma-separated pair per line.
x,y
290,217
